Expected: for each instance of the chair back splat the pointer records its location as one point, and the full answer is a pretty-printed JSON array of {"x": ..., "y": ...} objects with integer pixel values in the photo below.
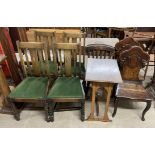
[
  {"x": 67, "y": 54},
  {"x": 131, "y": 61},
  {"x": 36, "y": 58}
]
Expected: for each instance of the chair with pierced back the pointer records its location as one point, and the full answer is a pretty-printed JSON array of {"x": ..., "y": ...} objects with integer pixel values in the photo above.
[
  {"x": 67, "y": 88},
  {"x": 50, "y": 39},
  {"x": 99, "y": 51},
  {"x": 131, "y": 61},
  {"x": 34, "y": 87}
]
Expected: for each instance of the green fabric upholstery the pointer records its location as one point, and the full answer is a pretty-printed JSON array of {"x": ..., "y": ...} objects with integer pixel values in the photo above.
[
  {"x": 31, "y": 88},
  {"x": 52, "y": 67},
  {"x": 75, "y": 70},
  {"x": 66, "y": 87}
]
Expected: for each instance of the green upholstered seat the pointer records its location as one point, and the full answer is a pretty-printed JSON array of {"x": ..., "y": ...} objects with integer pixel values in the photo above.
[
  {"x": 66, "y": 87},
  {"x": 31, "y": 88},
  {"x": 52, "y": 67}
]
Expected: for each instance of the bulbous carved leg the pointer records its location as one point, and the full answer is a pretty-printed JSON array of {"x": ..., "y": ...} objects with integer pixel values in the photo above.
[
  {"x": 115, "y": 106},
  {"x": 146, "y": 109},
  {"x": 51, "y": 111},
  {"x": 47, "y": 117},
  {"x": 82, "y": 111}
]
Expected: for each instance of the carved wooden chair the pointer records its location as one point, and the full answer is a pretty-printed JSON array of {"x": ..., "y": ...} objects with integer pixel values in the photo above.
[
  {"x": 99, "y": 51},
  {"x": 50, "y": 39},
  {"x": 131, "y": 61},
  {"x": 34, "y": 87},
  {"x": 67, "y": 87}
]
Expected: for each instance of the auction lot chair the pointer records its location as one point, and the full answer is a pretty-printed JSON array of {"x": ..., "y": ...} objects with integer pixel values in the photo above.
[
  {"x": 34, "y": 87},
  {"x": 67, "y": 87},
  {"x": 131, "y": 61}
]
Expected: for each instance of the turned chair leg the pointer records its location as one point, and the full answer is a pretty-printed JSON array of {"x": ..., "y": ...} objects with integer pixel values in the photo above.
[
  {"x": 146, "y": 109},
  {"x": 51, "y": 111},
  {"x": 47, "y": 117},
  {"x": 82, "y": 111},
  {"x": 115, "y": 106}
]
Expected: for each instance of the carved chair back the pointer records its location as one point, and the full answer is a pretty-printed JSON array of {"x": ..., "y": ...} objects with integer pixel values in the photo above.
[
  {"x": 131, "y": 61},
  {"x": 35, "y": 53},
  {"x": 76, "y": 38},
  {"x": 70, "y": 52},
  {"x": 49, "y": 38}
]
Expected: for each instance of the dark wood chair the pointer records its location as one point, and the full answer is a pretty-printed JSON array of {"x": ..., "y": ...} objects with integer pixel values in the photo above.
[
  {"x": 99, "y": 51},
  {"x": 67, "y": 88},
  {"x": 131, "y": 61},
  {"x": 34, "y": 87}
]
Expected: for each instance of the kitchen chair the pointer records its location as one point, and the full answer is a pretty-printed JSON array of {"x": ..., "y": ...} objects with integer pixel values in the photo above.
[
  {"x": 99, "y": 51},
  {"x": 131, "y": 61},
  {"x": 50, "y": 39},
  {"x": 34, "y": 87},
  {"x": 67, "y": 87}
]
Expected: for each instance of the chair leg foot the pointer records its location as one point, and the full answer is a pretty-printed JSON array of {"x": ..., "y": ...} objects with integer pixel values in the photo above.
[
  {"x": 82, "y": 111},
  {"x": 145, "y": 110},
  {"x": 17, "y": 117},
  {"x": 115, "y": 107}
]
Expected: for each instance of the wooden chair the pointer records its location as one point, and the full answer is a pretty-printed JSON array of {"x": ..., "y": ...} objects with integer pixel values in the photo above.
[
  {"x": 50, "y": 39},
  {"x": 67, "y": 87},
  {"x": 34, "y": 87},
  {"x": 131, "y": 61},
  {"x": 99, "y": 51}
]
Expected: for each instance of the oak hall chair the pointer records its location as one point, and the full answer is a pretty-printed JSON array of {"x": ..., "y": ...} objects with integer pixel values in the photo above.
[
  {"x": 50, "y": 39},
  {"x": 99, "y": 51},
  {"x": 131, "y": 61},
  {"x": 34, "y": 87},
  {"x": 67, "y": 87}
]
